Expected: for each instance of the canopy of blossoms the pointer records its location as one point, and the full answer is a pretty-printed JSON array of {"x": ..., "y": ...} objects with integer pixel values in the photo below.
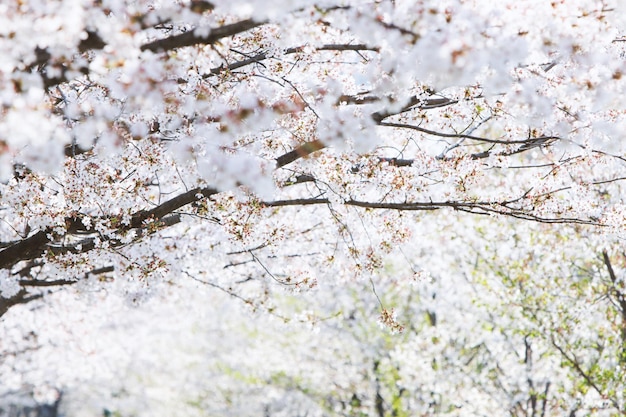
[{"x": 387, "y": 207}]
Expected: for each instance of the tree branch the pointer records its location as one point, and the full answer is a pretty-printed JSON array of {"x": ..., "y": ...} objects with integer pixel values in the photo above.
[
  {"x": 31, "y": 247},
  {"x": 301, "y": 151},
  {"x": 621, "y": 300},
  {"x": 526, "y": 143},
  {"x": 263, "y": 56},
  {"x": 577, "y": 366},
  {"x": 190, "y": 38},
  {"x": 93, "y": 41},
  {"x": 44, "y": 283},
  {"x": 21, "y": 297},
  {"x": 477, "y": 207},
  {"x": 35, "y": 245},
  {"x": 308, "y": 148},
  {"x": 171, "y": 205}
]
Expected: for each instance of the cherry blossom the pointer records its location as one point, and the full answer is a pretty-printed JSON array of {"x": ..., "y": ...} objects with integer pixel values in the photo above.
[{"x": 322, "y": 208}]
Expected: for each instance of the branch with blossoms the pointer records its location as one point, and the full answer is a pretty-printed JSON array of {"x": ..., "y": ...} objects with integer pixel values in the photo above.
[
  {"x": 33, "y": 246},
  {"x": 144, "y": 222},
  {"x": 147, "y": 222},
  {"x": 257, "y": 58},
  {"x": 503, "y": 208},
  {"x": 24, "y": 296},
  {"x": 164, "y": 215}
]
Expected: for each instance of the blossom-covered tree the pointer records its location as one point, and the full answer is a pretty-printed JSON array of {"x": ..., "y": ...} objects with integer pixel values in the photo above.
[{"x": 453, "y": 168}]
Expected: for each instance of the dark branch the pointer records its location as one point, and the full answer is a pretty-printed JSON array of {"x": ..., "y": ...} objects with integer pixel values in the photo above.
[
  {"x": 263, "y": 56},
  {"x": 316, "y": 145},
  {"x": 171, "y": 205},
  {"x": 621, "y": 301},
  {"x": 190, "y": 38},
  {"x": 475, "y": 207},
  {"x": 93, "y": 41},
  {"x": 44, "y": 283},
  {"x": 35, "y": 245},
  {"x": 526, "y": 143},
  {"x": 21, "y": 297},
  {"x": 607, "y": 262},
  {"x": 398, "y": 162},
  {"x": 57, "y": 282},
  {"x": 415, "y": 102},
  {"x": 29, "y": 248},
  {"x": 301, "y": 151},
  {"x": 588, "y": 379}
]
